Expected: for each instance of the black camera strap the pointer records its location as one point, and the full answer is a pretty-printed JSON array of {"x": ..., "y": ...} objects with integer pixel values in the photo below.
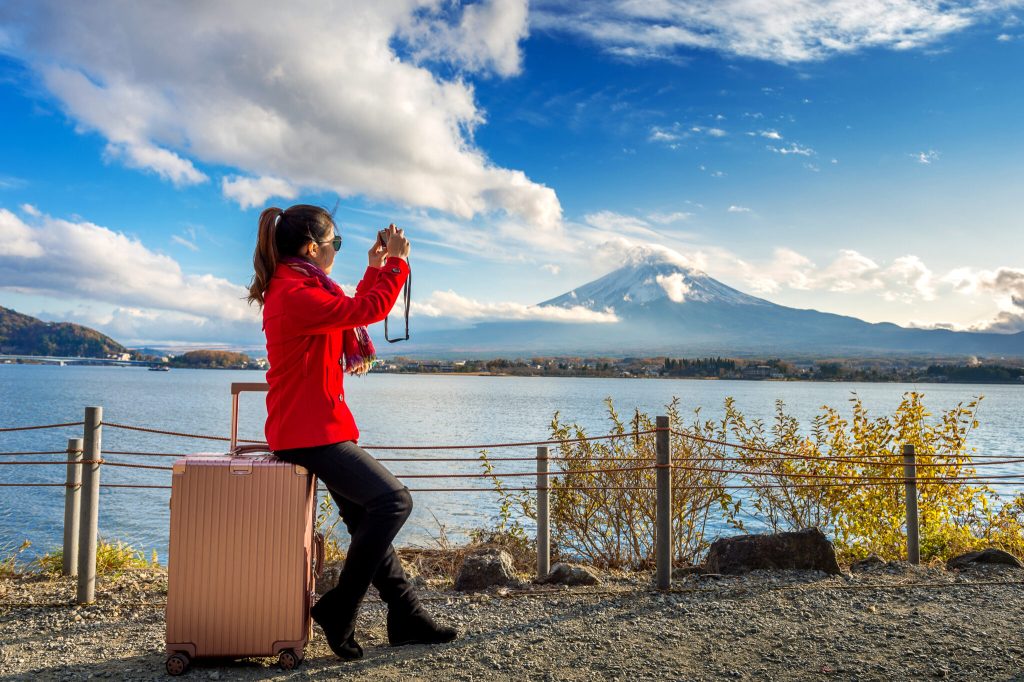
[{"x": 406, "y": 297}]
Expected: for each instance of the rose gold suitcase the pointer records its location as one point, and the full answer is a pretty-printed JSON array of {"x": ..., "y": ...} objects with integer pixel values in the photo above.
[{"x": 243, "y": 555}]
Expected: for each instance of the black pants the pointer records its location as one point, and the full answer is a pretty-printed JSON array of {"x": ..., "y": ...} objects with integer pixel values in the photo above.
[{"x": 373, "y": 505}]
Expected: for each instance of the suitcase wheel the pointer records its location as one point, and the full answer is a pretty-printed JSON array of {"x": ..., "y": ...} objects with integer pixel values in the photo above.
[
  {"x": 289, "y": 659},
  {"x": 177, "y": 663}
]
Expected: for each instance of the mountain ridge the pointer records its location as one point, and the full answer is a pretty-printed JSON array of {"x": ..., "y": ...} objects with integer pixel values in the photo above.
[{"x": 22, "y": 334}]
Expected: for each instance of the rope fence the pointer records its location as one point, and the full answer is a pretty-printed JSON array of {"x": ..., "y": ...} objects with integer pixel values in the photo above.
[
  {"x": 41, "y": 426},
  {"x": 756, "y": 467},
  {"x": 838, "y": 480}
]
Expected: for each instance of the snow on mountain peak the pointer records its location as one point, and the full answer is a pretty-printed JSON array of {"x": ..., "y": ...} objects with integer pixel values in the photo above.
[{"x": 653, "y": 275}]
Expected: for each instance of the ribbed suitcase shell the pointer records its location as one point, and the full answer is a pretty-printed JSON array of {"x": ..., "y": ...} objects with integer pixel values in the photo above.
[{"x": 240, "y": 562}]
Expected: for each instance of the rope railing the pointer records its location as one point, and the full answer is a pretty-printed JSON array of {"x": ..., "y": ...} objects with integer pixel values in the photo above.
[
  {"x": 8, "y": 429},
  {"x": 394, "y": 447},
  {"x": 999, "y": 459},
  {"x": 776, "y": 455},
  {"x": 33, "y": 452},
  {"x": 781, "y": 454},
  {"x": 646, "y": 481},
  {"x": 826, "y": 479}
]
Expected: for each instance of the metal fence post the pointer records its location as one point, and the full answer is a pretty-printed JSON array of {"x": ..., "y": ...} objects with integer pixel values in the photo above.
[
  {"x": 90, "y": 505},
  {"x": 543, "y": 515},
  {"x": 910, "y": 481},
  {"x": 663, "y": 520},
  {"x": 72, "y": 497}
]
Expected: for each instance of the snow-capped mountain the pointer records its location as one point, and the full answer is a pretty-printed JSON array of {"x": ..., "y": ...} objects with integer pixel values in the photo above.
[
  {"x": 652, "y": 280},
  {"x": 669, "y": 308}
]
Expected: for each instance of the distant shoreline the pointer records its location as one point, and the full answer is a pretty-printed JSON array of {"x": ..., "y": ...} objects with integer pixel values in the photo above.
[{"x": 809, "y": 380}]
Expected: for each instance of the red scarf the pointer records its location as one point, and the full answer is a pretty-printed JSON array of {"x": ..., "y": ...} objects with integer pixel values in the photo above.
[{"x": 357, "y": 352}]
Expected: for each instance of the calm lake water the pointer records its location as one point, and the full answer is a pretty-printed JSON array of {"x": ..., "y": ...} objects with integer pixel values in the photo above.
[{"x": 390, "y": 409}]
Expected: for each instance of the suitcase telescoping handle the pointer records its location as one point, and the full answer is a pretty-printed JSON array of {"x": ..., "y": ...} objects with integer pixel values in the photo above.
[{"x": 236, "y": 388}]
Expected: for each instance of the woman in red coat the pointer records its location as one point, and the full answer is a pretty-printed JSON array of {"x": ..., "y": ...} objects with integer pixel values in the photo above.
[{"x": 315, "y": 334}]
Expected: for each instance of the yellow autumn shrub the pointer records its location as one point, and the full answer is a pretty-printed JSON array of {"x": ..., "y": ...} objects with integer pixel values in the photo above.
[{"x": 842, "y": 475}]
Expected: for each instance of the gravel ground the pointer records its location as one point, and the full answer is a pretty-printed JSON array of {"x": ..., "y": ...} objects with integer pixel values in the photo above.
[{"x": 892, "y": 622}]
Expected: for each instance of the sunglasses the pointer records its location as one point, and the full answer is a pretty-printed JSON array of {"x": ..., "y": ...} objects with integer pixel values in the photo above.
[{"x": 335, "y": 242}]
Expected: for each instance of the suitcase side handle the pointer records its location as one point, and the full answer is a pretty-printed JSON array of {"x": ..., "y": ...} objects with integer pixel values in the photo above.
[
  {"x": 319, "y": 553},
  {"x": 236, "y": 389}
]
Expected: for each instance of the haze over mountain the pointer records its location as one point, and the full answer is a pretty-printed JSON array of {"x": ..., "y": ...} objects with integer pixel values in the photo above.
[{"x": 665, "y": 307}]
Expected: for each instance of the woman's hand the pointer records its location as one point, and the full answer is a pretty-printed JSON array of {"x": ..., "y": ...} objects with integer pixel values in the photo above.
[
  {"x": 377, "y": 254},
  {"x": 394, "y": 238}
]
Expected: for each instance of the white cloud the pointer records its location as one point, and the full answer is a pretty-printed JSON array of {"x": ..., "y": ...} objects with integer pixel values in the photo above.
[
  {"x": 781, "y": 31},
  {"x": 252, "y": 192},
  {"x": 673, "y": 134},
  {"x": 792, "y": 149},
  {"x": 452, "y": 305},
  {"x": 486, "y": 37},
  {"x": 674, "y": 285},
  {"x": 905, "y": 280},
  {"x": 93, "y": 262},
  {"x": 16, "y": 238},
  {"x": 181, "y": 241},
  {"x": 667, "y": 135},
  {"x": 619, "y": 224},
  {"x": 669, "y": 218},
  {"x": 12, "y": 182},
  {"x": 31, "y": 210},
  {"x": 1004, "y": 37},
  {"x": 147, "y": 326},
  {"x": 552, "y": 268},
  {"x": 519, "y": 241},
  {"x": 166, "y": 164},
  {"x": 319, "y": 95},
  {"x": 1005, "y": 284},
  {"x": 739, "y": 209},
  {"x": 925, "y": 157},
  {"x": 771, "y": 134}
]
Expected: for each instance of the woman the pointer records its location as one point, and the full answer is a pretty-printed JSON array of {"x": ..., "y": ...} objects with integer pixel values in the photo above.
[{"x": 315, "y": 333}]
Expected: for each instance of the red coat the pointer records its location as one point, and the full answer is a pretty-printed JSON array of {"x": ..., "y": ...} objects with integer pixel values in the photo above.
[{"x": 303, "y": 323}]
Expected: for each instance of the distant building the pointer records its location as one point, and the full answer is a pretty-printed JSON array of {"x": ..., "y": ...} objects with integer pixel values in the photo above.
[{"x": 757, "y": 372}]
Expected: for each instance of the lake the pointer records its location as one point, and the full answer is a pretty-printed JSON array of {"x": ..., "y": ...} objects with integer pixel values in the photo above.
[{"x": 390, "y": 409}]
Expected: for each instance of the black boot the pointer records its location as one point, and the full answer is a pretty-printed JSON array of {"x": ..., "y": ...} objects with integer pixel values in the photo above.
[
  {"x": 416, "y": 627},
  {"x": 339, "y": 625}
]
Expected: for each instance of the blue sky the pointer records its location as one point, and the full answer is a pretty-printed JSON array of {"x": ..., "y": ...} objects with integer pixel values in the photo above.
[{"x": 863, "y": 160}]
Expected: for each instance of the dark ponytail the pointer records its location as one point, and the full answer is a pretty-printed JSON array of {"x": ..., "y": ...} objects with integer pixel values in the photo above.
[
  {"x": 283, "y": 233},
  {"x": 264, "y": 259}
]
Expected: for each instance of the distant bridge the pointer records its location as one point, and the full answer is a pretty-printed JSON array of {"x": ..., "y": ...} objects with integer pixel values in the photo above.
[{"x": 54, "y": 360}]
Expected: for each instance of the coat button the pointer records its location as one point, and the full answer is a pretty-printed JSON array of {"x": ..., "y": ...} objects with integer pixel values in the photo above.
[
  {"x": 396, "y": 270},
  {"x": 341, "y": 397}
]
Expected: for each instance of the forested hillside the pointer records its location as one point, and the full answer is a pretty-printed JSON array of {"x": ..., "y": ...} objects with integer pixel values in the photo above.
[{"x": 25, "y": 335}]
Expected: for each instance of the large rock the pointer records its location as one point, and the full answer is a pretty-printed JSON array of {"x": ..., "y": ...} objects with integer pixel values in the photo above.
[
  {"x": 486, "y": 568},
  {"x": 806, "y": 549},
  {"x": 985, "y": 556},
  {"x": 568, "y": 574}
]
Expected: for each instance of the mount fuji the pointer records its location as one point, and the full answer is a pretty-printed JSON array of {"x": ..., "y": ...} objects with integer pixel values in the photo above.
[{"x": 666, "y": 308}]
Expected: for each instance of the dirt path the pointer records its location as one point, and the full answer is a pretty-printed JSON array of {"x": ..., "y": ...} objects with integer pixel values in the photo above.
[{"x": 891, "y": 623}]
